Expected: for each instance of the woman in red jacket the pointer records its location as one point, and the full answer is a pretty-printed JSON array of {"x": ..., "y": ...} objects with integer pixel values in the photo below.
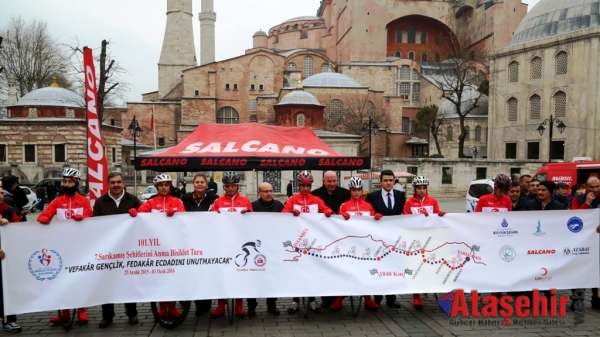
[
  {"x": 163, "y": 202},
  {"x": 233, "y": 202},
  {"x": 356, "y": 206},
  {"x": 69, "y": 205}
]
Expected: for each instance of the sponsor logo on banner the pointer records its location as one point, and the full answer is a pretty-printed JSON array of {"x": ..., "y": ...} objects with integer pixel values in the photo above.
[
  {"x": 538, "y": 229},
  {"x": 575, "y": 224},
  {"x": 543, "y": 274},
  {"x": 576, "y": 251},
  {"x": 505, "y": 230},
  {"x": 508, "y": 253},
  {"x": 45, "y": 264},
  {"x": 477, "y": 309},
  {"x": 541, "y": 251},
  {"x": 250, "y": 252}
]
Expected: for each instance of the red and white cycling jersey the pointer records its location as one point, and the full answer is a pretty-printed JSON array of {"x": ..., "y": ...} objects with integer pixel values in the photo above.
[
  {"x": 357, "y": 207},
  {"x": 426, "y": 206},
  {"x": 235, "y": 204},
  {"x": 490, "y": 203},
  {"x": 305, "y": 203},
  {"x": 64, "y": 207}
]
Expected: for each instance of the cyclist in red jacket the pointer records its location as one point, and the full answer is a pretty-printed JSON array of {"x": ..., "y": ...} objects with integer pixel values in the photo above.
[
  {"x": 232, "y": 201},
  {"x": 497, "y": 201},
  {"x": 421, "y": 202},
  {"x": 356, "y": 206},
  {"x": 69, "y": 205},
  {"x": 304, "y": 202},
  {"x": 163, "y": 202}
]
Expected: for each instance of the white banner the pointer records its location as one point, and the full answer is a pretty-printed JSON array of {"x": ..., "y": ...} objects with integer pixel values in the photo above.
[{"x": 191, "y": 256}]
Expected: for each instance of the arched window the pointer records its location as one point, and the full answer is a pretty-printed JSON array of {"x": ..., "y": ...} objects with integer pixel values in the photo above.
[
  {"x": 228, "y": 115},
  {"x": 334, "y": 112},
  {"x": 325, "y": 68},
  {"x": 424, "y": 58},
  {"x": 291, "y": 66},
  {"x": 449, "y": 133},
  {"x": 562, "y": 62},
  {"x": 478, "y": 133},
  {"x": 308, "y": 66},
  {"x": 535, "y": 107},
  {"x": 411, "y": 55},
  {"x": 536, "y": 68},
  {"x": 512, "y": 109},
  {"x": 398, "y": 54},
  {"x": 300, "y": 120},
  {"x": 513, "y": 72},
  {"x": 560, "y": 104},
  {"x": 467, "y": 133}
]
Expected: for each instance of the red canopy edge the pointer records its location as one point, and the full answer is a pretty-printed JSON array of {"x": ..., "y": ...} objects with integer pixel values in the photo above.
[{"x": 251, "y": 146}]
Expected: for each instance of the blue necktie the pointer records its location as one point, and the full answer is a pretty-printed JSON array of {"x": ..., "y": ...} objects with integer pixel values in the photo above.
[{"x": 389, "y": 205}]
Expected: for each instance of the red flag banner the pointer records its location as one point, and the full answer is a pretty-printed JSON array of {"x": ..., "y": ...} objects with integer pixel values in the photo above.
[{"x": 96, "y": 158}]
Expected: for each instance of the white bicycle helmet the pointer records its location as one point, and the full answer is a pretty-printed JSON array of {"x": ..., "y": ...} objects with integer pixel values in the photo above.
[
  {"x": 71, "y": 173},
  {"x": 162, "y": 178},
  {"x": 230, "y": 178},
  {"x": 355, "y": 182},
  {"x": 420, "y": 181}
]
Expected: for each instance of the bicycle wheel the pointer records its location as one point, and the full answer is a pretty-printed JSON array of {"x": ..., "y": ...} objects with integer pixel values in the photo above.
[
  {"x": 355, "y": 309},
  {"x": 170, "y": 322}
]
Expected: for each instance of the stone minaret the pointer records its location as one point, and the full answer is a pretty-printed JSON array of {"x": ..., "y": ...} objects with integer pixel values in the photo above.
[
  {"x": 178, "y": 51},
  {"x": 208, "y": 17}
]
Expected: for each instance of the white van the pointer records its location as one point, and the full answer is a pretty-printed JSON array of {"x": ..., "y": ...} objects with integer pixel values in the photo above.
[{"x": 477, "y": 188}]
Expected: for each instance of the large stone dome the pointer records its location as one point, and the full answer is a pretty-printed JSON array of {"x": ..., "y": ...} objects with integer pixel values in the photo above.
[
  {"x": 51, "y": 96},
  {"x": 555, "y": 17},
  {"x": 331, "y": 80}
]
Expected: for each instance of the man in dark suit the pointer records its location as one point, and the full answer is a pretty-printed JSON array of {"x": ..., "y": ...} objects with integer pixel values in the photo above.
[
  {"x": 332, "y": 194},
  {"x": 387, "y": 201}
]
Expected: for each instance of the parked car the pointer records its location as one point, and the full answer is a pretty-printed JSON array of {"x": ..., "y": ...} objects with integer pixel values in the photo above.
[
  {"x": 148, "y": 193},
  {"x": 477, "y": 188},
  {"x": 32, "y": 199}
]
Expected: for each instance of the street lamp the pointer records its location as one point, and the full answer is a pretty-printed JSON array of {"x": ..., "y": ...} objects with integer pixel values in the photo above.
[
  {"x": 136, "y": 131},
  {"x": 551, "y": 123},
  {"x": 372, "y": 124}
]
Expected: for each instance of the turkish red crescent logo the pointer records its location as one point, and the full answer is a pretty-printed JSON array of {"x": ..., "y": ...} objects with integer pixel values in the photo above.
[
  {"x": 544, "y": 271},
  {"x": 495, "y": 210},
  {"x": 305, "y": 209},
  {"x": 423, "y": 210},
  {"x": 231, "y": 210}
]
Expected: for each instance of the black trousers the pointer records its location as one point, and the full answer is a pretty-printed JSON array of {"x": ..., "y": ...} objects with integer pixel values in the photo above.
[
  {"x": 252, "y": 303},
  {"x": 388, "y": 298},
  {"x": 108, "y": 311},
  {"x": 9, "y": 318},
  {"x": 297, "y": 299},
  {"x": 203, "y": 305}
]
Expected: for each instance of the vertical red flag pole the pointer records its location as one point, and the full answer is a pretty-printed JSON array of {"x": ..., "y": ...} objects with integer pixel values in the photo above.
[{"x": 96, "y": 154}]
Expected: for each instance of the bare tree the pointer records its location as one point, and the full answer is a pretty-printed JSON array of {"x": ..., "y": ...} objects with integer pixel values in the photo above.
[
  {"x": 109, "y": 72},
  {"x": 427, "y": 120},
  {"x": 29, "y": 57},
  {"x": 462, "y": 76}
]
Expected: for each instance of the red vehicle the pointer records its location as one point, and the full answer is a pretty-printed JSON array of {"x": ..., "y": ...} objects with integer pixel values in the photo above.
[{"x": 569, "y": 173}]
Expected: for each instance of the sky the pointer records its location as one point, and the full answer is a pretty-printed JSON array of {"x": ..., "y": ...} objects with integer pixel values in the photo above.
[{"x": 135, "y": 28}]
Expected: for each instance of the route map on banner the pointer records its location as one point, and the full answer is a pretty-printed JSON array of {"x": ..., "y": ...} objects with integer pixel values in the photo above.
[{"x": 119, "y": 259}]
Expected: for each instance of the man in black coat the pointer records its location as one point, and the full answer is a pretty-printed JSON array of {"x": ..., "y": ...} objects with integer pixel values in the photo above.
[
  {"x": 15, "y": 196},
  {"x": 387, "y": 201},
  {"x": 333, "y": 195},
  {"x": 545, "y": 198},
  {"x": 116, "y": 201},
  {"x": 265, "y": 203},
  {"x": 519, "y": 202}
]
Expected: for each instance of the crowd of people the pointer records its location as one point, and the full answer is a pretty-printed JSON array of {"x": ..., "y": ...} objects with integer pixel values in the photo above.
[{"x": 522, "y": 194}]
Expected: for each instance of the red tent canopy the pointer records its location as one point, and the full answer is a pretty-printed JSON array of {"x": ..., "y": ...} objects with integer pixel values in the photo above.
[{"x": 251, "y": 146}]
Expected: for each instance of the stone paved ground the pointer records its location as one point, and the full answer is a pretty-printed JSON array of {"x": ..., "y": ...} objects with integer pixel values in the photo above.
[{"x": 385, "y": 323}]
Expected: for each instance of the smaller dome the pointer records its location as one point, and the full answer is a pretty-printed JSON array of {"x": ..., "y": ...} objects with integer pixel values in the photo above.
[
  {"x": 331, "y": 80},
  {"x": 299, "y": 97},
  {"x": 51, "y": 96},
  {"x": 259, "y": 33}
]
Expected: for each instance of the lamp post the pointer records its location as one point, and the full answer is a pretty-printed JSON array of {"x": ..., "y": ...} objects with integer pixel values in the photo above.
[
  {"x": 136, "y": 131},
  {"x": 372, "y": 124},
  {"x": 551, "y": 123}
]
